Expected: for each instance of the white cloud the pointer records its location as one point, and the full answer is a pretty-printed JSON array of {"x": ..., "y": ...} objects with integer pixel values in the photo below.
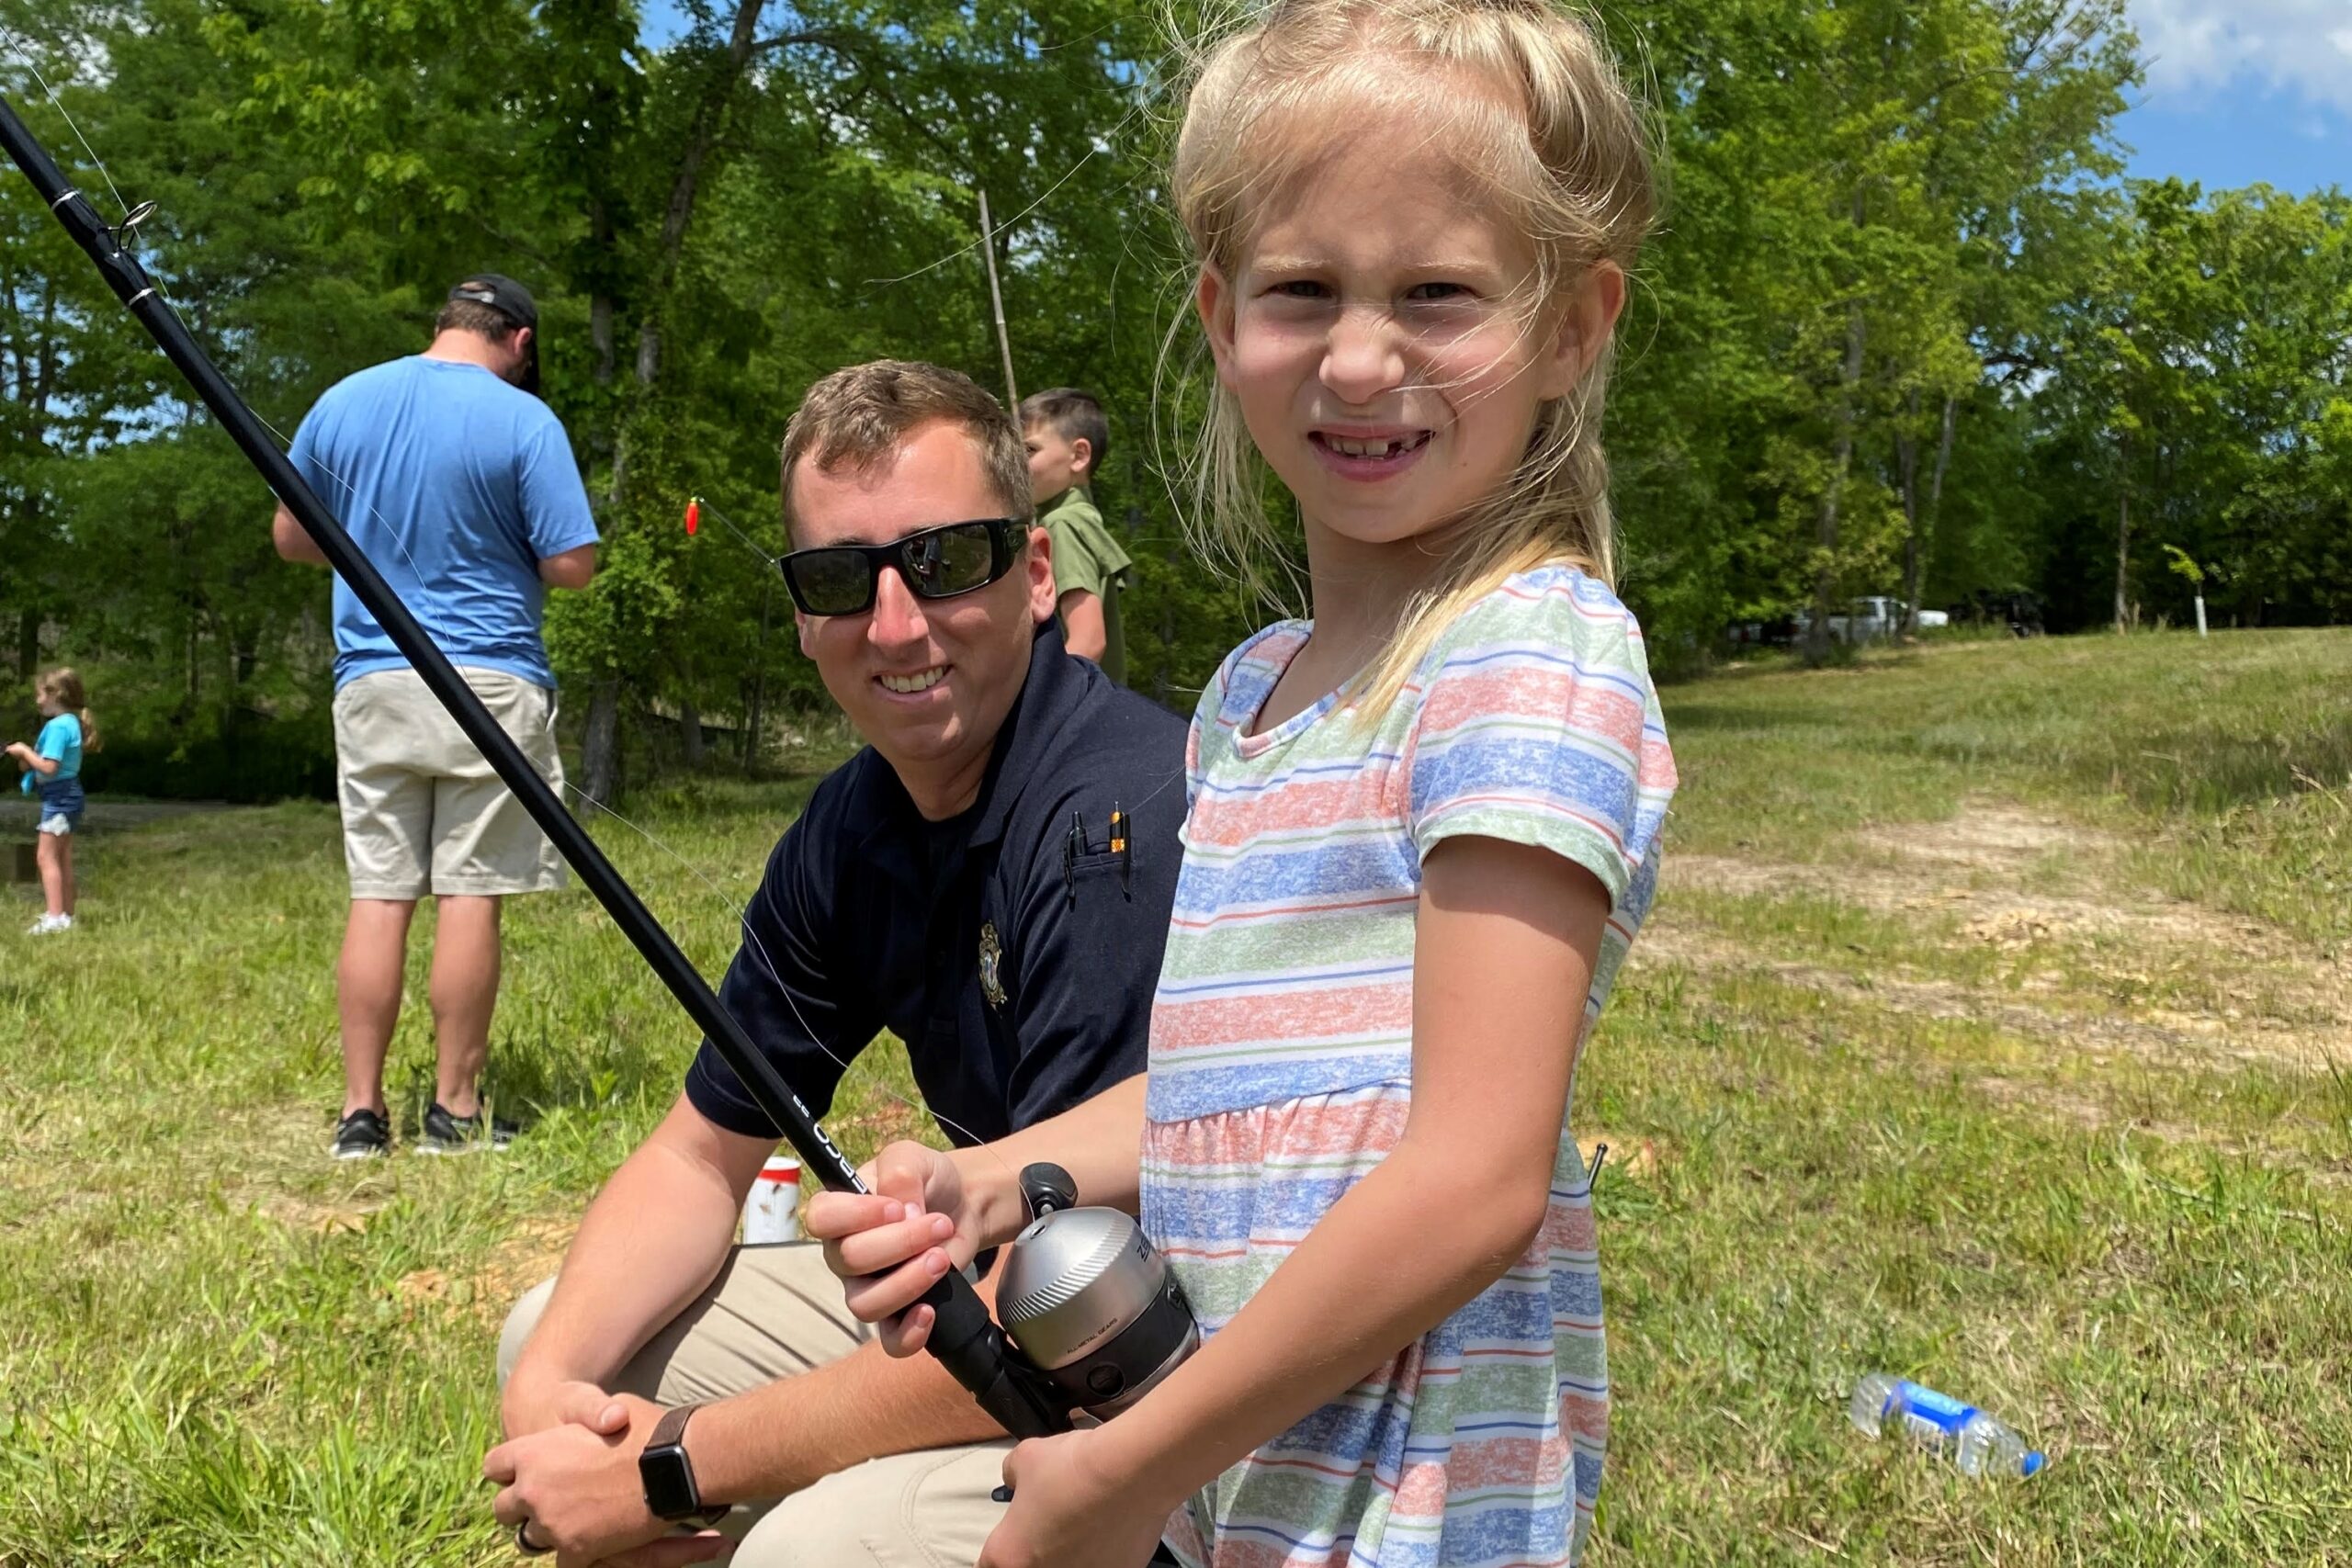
[{"x": 2300, "y": 47}]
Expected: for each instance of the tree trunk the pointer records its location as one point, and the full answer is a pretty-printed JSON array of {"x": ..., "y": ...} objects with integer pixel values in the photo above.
[
  {"x": 2123, "y": 539},
  {"x": 689, "y": 733},
  {"x": 1906, "y": 469},
  {"x": 758, "y": 716},
  {"x": 710, "y": 113},
  {"x": 600, "y": 303},
  {"x": 702, "y": 130},
  {"x": 45, "y": 362},
  {"x": 1920, "y": 550},
  {"x": 1943, "y": 464},
  {"x": 600, "y": 749},
  {"x": 1825, "y": 577}
]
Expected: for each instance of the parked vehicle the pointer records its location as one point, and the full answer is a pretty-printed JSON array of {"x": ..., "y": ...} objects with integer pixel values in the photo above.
[
  {"x": 2020, "y": 611},
  {"x": 1870, "y": 618}
]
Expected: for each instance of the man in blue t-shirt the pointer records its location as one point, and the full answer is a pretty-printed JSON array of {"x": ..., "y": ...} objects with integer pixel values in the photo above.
[{"x": 459, "y": 485}]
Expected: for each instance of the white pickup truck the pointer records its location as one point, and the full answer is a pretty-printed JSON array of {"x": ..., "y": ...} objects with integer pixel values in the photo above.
[{"x": 1873, "y": 616}]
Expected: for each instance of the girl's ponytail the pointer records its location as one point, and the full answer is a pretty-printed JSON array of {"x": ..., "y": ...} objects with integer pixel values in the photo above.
[{"x": 63, "y": 685}]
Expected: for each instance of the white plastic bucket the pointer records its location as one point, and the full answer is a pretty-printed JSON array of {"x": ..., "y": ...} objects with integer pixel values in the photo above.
[{"x": 772, "y": 1209}]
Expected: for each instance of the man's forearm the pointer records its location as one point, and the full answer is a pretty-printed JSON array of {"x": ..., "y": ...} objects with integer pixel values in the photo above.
[
  {"x": 651, "y": 1242},
  {"x": 293, "y": 541},
  {"x": 778, "y": 1440}
]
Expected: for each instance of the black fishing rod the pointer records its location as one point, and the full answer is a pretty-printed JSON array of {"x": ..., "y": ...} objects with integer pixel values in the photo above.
[{"x": 966, "y": 1340}]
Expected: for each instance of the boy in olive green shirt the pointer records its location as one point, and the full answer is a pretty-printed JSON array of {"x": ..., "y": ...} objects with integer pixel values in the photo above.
[{"x": 1067, "y": 437}]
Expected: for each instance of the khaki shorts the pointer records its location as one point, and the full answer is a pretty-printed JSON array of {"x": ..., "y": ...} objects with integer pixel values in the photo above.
[
  {"x": 773, "y": 1311},
  {"x": 421, "y": 811}
]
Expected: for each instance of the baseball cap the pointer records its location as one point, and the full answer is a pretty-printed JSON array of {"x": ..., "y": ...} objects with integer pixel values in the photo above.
[
  {"x": 513, "y": 301},
  {"x": 502, "y": 294}
]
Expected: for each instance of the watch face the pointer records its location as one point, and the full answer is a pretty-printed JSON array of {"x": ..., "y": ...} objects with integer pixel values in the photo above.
[{"x": 668, "y": 1482}]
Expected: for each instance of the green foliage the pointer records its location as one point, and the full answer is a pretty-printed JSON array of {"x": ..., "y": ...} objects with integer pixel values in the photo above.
[{"x": 2045, "y": 361}]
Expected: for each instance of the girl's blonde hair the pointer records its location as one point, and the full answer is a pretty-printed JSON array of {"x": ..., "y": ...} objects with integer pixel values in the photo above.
[
  {"x": 1556, "y": 144},
  {"x": 64, "y": 687}
]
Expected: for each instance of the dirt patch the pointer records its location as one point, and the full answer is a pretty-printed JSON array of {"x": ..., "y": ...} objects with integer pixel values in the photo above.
[
  {"x": 345, "y": 1218},
  {"x": 2033, "y": 887},
  {"x": 2168, "y": 1036},
  {"x": 1635, "y": 1157},
  {"x": 1988, "y": 836},
  {"x": 531, "y": 1254}
]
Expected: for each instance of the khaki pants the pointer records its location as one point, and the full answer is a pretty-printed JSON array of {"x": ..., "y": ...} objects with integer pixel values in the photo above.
[{"x": 774, "y": 1311}]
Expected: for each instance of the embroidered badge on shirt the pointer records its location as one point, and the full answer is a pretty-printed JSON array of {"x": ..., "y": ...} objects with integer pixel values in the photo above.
[{"x": 992, "y": 967}]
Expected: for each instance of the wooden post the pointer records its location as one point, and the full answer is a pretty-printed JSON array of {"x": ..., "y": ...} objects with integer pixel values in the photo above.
[{"x": 995, "y": 300}]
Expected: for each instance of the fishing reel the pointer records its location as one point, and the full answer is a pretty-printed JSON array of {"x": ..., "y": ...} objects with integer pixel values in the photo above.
[{"x": 1089, "y": 1301}]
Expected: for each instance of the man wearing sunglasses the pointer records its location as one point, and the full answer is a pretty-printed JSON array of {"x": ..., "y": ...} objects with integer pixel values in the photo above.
[{"x": 990, "y": 881}]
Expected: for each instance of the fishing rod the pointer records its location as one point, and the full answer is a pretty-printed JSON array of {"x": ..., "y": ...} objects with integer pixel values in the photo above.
[{"x": 964, "y": 1338}]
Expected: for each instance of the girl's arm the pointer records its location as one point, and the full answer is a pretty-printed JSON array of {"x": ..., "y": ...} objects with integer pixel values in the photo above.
[
  {"x": 32, "y": 759},
  {"x": 1505, "y": 944}
]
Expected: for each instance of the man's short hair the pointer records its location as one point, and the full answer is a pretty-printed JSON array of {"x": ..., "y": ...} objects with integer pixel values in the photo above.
[
  {"x": 1073, "y": 415},
  {"x": 465, "y": 315},
  {"x": 861, "y": 415}
]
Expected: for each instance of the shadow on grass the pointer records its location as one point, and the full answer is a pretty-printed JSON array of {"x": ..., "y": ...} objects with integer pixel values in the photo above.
[
  {"x": 529, "y": 1078},
  {"x": 1714, "y": 710}
]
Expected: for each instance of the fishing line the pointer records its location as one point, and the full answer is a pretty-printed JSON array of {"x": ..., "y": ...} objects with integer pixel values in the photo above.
[
  {"x": 697, "y": 507},
  {"x": 25, "y": 59}
]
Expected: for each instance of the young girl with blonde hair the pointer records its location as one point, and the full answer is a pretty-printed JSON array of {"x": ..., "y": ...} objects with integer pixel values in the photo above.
[
  {"x": 52, "y": 765},
  {"x": 1423, "y": 832}
]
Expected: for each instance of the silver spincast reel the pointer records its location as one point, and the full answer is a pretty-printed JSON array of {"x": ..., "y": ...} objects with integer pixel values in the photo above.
[{"x": 1089, "y": 1300}]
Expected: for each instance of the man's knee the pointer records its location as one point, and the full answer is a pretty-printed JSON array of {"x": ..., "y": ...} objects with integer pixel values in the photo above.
[
  {"x": 772, "y": 1311},
  {"x": 930, "y": 1509},
  {"x": 519, "y": 1325}
]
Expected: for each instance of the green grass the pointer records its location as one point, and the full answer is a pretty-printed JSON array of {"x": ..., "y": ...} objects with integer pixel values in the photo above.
[
  {"x": 2045, "y": 1117},
  {"x": 2229, "y": 757}
]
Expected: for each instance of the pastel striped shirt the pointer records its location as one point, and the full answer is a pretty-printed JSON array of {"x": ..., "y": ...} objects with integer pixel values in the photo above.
[{"x": 1281, "y": 1065}]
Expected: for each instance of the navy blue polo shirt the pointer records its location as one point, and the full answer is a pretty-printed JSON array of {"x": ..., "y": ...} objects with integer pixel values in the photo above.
[{"x": 1017, "y": 965}]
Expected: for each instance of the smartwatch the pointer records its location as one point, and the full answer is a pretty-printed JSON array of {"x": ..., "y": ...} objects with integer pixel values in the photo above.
[{"x": 669, "y": 1477}]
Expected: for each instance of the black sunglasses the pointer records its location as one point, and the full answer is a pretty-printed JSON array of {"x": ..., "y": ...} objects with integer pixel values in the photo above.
[{"x": 936, "y": 563}]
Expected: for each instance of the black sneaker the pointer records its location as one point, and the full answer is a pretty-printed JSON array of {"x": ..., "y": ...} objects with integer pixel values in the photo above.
[
  {"x": 361, "y": 1135},
  {"x": 447, "y": 1135}
]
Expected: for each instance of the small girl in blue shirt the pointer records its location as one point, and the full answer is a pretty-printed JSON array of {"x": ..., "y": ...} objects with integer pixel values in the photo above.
[{"x": 52, "y": 766}]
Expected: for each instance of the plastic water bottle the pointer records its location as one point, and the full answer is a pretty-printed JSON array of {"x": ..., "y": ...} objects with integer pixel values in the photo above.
[
  {"x": 1973, "y": 1441},
  {"x": 772, "y": 1208}
]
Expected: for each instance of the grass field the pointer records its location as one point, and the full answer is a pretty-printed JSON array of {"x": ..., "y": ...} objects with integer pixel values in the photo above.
[{"x": 1995, "y": 1027}]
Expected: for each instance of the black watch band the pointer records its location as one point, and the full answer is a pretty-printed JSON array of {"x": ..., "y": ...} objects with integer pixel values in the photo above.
[{"x": 668, "y": 1476}]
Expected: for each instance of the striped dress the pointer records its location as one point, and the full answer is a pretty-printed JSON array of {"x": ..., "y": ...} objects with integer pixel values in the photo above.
[{"x": 1281, "y": 1066}]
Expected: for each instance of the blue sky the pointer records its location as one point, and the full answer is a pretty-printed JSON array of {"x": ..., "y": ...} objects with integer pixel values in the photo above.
[{"x": 2245, "y": 90}]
